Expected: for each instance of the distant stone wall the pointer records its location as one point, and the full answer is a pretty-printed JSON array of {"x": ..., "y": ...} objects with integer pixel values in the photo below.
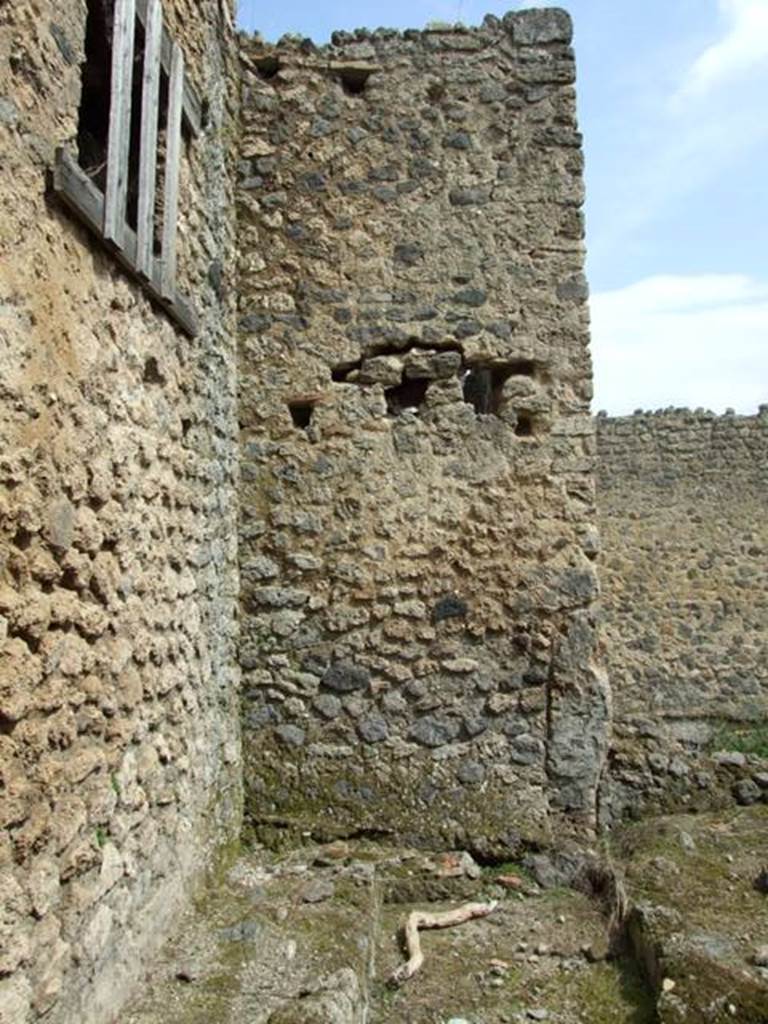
[
  {"x": 118, "y": 575},
  {"x": 417, "y": 453},
  {"x": 683, "y": 508}
]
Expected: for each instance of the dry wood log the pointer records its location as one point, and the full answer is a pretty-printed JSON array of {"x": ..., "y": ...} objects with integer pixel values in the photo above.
[{"x": 422, "y": 919}]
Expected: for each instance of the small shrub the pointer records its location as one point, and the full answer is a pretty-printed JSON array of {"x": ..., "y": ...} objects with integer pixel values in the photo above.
[{"x": 747, "y": 739}]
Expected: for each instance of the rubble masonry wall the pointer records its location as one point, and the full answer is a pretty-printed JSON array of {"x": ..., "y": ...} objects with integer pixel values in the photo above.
[
  {"x": 417, "y": 531},
  {"x": 683, "y": 513},
  {"x": 119, "y": 742}
]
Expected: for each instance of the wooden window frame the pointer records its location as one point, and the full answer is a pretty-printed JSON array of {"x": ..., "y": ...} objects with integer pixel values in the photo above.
[{"x": 104, "y": 213}]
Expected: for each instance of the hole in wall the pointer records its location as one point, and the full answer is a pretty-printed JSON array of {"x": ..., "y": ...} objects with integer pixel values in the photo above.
[
  {"x": 301, "y": 413},
  {"x": 435, "y": 92},
  {"x": 477, "y": 387},
  {"x": 524, "y": 425},
  {"x": 69, "y": 580},
  {"x": 406, "y": 396},
  {"x": 483, "y": 385},
  {"x": 519, "y": 368},
  {"x": 340, "y": 373},
  {"x": 22, "y": 539},
  {"x": 7, "y": 725},
  {"x": 268, "y": 67},
  {"x": 152, "y": 373},
  {"x": 354, "y": 80},
  {"x": 32, "y": 642}
]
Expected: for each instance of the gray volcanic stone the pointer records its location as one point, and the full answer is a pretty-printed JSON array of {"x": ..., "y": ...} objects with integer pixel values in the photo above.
[
  {"x": 471, "y": 296},
  {"x": 450, "y": 607},
  {"x": 540, "y": 25},
  {"x": 327, "y": 705},
  {"x": 458, "y": 140},
  {"x": 66, "y": 49},
  {"x": 434, "y": 730},
  {"x": 474, "y": 725},
  {"x": 526, "y": 749},
  {"x": 373, "y": 729},
  {"x": 471, "y": 773},
  {"x": 494, "y": 92},
  {"x": 320, "y": 127},
  {"x": 730, "y": 758},
  {"x": 574, "y": 288},
  {"x": 408, "y": 253},
  {"x": 344, "y": 677},
  {"x": 291, "y": 735},
  {"x": 746, "y": 792},
  {"x": 267, "y": 714},
  {"x": 469, "y": 196}
]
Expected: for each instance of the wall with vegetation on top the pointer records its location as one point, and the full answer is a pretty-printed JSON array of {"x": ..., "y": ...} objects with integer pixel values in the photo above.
[{"x": 683, "y": 503}]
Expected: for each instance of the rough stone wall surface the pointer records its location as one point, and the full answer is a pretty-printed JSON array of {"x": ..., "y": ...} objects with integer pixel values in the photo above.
[
  {"x": 417, "y": 453},
  {"x": 118, "y": 574},
  {"x": 683, "y": 512}
]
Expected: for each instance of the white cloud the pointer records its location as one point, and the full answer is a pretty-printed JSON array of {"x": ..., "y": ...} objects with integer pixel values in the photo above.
[
  {"x": 743, "y": 47},
  {"x": 692, "y": 341}
]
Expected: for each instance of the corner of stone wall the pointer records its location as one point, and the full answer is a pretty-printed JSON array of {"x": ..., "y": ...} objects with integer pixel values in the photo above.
[{"x": 417, "y": 533}]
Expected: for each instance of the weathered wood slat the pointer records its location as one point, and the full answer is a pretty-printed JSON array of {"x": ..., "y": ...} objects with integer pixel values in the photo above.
[
  {"x": 172, "y": 167},
  {"x": 76, "y": 189},
  {"x": 192, "y": 109},
  {"x": 150, "y": 108},
  {"x": 118, "y": 147}
]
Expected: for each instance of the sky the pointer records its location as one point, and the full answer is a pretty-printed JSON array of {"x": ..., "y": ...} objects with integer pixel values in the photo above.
[{"x": 673, "y": 104}]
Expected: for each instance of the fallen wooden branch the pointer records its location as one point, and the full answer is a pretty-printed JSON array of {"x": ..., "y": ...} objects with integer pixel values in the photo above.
[{"x": 422, "y": 919}]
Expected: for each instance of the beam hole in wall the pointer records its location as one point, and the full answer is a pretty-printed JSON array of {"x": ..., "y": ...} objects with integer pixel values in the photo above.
[
  {"x": 268, "y": 67},
  {"x": 69, "y": 580},
  {"x": 406, "y": 396},
  {"x": 483, "y": 385},
  {"x": 524, "y": 425},
  {"x": 152, "y": 374},
  {"x": 354, "y": 80},
  {"x": 22, "y": 539},
  {"x": 301, "y": 413},
  {"x": 340, "y": 373}
]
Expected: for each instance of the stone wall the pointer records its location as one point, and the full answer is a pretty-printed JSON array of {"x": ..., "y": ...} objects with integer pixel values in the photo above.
[
  {"x": 118, "y": 575},
  {"x": 417, "y": 453},
  {"x": 683, "y": 504}
]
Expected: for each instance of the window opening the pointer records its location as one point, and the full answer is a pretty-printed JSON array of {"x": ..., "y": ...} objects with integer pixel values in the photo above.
[{"x": 136, "y": 100}]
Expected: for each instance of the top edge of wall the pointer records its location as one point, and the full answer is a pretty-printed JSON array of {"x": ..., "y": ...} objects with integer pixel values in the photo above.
[
  {"x": 536, "y": 26},
  {"x": 682, "y": 413}
]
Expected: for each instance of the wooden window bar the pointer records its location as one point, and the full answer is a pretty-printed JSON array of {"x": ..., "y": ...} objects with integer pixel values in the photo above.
[{"x": 105, "y": 213}]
